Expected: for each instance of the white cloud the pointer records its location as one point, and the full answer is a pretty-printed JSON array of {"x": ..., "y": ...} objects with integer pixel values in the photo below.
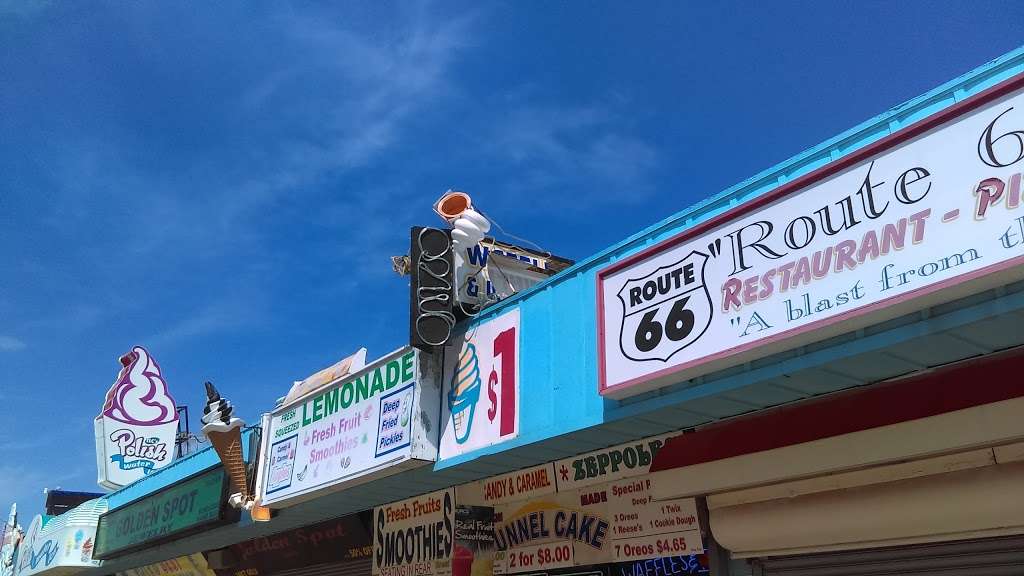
[
  {"x": 11, "y": 344},
  {"x": 23, "y": 8},
  {"x": 215, "y": 317},
  {"x": 588, "y": 145}
]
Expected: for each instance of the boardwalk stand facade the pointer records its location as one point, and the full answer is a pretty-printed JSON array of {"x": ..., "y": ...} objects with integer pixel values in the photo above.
[{"x": 816, "y": 371}]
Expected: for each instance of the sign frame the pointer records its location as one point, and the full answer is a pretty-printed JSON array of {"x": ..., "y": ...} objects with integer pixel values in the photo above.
[
  {"x": 226, "y": 515},
  {"x": 879, "y": 310}
]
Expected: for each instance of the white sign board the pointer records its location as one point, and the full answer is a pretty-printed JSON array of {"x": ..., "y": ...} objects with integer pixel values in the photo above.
[
  {"x": 59, "y": 544},
  {"x": 138, "y": 425},
  {"x": 481, "y": 386},
  {"x": 599, "y": 509},
  {"x": 377, "y": 421},
  {"x": 642, "y": 528},
  {"x": 415, "y": 537},
  {"x": 930, "y": 214},
  {"x": 489, "y": 271},
  {"x": 611, "y": 522}
]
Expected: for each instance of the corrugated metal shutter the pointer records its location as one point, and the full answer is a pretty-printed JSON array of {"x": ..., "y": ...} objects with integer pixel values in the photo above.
[
  {"x": 989, "y": 557},
  {"x": 359, "y": 567}
]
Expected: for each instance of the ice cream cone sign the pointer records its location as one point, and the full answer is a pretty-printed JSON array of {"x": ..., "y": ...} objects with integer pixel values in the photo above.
[
  {"x": 224, "y": 431},
  {"x": 138, "y": 424}
]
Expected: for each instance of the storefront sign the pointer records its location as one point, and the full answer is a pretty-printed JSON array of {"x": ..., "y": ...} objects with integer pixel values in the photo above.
[
  {"x": 191, "y": 565},
  {"x": 370, "y": 422},
  {"x": 138, "y": 425},
  {"x": 60, "y": 543},
  {"x": 556, "y": 531},
  {"x": 612, "y": 522},
  {"x": 928, "y": 215},
  {"x": 595, "y": 508},
  {"x": 511, "y": 487},
  {"x": 492, "y": 271},
  {"x": 172, "y": 513},
  {"x": 481, "y": 386},
  {"x": 45, "y": 550},
  {"x": 622, "y": 461},
  {"x": 334, "y": 541},
  {"x": 415, "y": 537}
]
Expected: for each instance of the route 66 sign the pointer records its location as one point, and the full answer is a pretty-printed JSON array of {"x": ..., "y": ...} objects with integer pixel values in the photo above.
[
  {"x": 924, "y": 216},
  {"x": 665, "y": 310}
]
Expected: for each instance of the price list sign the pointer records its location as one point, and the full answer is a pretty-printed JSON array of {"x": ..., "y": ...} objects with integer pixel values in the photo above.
[{"x": 643, "y": 528}]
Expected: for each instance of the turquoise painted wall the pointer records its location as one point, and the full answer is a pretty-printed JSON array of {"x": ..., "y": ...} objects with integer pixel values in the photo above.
[{"x": 558, "y": 364}]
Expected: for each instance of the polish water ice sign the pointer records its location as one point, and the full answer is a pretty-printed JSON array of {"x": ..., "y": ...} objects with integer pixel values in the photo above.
[
  {"x": 368, "y": 424},
  {"x": 138, "y": 424},
  {"x": 927, "y": 215}
]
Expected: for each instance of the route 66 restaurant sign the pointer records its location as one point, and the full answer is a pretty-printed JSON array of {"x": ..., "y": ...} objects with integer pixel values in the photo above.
[
  {"x": 373, "y": 423},
  {"x": 927, "y": 215}
]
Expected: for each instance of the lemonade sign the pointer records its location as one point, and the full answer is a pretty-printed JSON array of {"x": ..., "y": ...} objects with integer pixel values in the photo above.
[{"x": 362, "y": 424}]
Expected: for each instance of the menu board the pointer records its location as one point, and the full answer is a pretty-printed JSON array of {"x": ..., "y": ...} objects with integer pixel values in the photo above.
[{"x": 644, "y": 528}]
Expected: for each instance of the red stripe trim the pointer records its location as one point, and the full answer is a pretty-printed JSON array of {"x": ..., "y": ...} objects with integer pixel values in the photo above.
[{"x": 985, "y": 380}]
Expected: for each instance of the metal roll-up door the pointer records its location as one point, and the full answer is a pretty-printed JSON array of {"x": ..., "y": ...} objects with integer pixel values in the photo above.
[
  {"x": 359, "y": 567},
  {"x": 989, "y": 557}
]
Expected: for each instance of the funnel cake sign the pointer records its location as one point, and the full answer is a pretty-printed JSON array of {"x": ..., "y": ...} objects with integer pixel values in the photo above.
[
  {"x": 136, "y": 430},
  {"x": 927, "y": 215}
]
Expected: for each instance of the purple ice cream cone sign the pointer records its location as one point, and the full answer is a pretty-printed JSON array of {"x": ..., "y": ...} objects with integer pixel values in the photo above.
[{"x": 137, "y": 426}]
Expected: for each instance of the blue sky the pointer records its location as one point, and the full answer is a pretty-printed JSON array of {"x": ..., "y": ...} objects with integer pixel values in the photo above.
[{"x": 224, "y": 182}]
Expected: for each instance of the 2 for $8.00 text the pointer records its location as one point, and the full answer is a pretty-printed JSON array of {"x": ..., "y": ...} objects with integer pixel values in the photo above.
[{"x": 541, "y": 556}]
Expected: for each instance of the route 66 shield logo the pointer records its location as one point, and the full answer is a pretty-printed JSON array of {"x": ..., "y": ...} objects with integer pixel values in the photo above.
[{"x": 666, "y": 310}]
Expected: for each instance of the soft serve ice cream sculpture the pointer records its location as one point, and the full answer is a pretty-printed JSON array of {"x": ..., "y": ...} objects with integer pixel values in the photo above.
[
  {"x": 225, "y": 433},
  {"x": 464, "y": 393},
  {"x": 136, "y": 430}
]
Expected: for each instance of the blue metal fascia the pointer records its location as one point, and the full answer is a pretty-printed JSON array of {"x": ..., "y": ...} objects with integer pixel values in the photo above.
[
  {"x": 181, "y": 469},
  {"x": 929, "y": 323},
  {"x": 869, "y": 343}
]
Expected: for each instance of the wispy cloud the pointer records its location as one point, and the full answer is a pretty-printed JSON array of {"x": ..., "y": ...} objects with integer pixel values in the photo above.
[
  {"x": 23, "y": 8},
  {"x": 565, "y": 145},
  {"x": 212, "y": 318},
  {"x": 344, "y": 98},
  {"x": 349, "y": 95},
  {"x": 11, "y": 344}
]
